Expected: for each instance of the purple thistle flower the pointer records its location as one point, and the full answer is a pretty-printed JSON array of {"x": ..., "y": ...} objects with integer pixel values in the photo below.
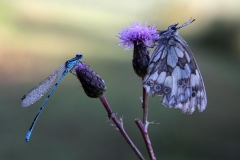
[
  {"x": 140, "y": 38},
  {"x": 92, "y": 83},
  {"x": 136, "y": 33}
]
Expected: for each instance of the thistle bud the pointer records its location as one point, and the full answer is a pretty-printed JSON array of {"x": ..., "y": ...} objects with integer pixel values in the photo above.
[
  {"x": 140, "y": 59},
  {"x": 140, "y": 38},
  {"x": 92, "y": 83}
]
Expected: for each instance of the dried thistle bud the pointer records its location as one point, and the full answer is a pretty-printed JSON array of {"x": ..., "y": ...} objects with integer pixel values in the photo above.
[
  {"x": 139, "y": 38},
  {"x": 92, "y": 83}
]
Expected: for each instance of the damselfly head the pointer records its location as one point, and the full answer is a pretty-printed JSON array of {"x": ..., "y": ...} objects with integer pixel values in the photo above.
[{"x": 79, "y": 55}]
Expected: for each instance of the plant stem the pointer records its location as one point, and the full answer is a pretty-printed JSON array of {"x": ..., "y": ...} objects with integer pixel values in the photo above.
[
  {"x": 144, "y": 126},
  {"x": 119, "y": 125},
  {"x": 145, "y": 107},
  {"x": 143, "y": 129}
]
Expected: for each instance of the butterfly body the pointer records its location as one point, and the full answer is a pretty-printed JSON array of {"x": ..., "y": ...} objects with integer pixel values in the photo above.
[{"x": 174, "y": 74}]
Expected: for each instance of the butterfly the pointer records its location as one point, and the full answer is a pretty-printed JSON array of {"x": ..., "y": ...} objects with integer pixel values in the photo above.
[{"x": 173, "y": 72}]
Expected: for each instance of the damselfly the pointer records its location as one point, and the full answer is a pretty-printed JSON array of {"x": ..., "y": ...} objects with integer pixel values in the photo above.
[{"x": 38, "y": 91}]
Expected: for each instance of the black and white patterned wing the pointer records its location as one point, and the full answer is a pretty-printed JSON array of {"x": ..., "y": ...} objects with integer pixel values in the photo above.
[{"x": 174, "y": 74}]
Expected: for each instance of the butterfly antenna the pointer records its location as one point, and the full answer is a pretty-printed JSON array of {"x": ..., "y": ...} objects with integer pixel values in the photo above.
[{"x": 187, "y": 23}]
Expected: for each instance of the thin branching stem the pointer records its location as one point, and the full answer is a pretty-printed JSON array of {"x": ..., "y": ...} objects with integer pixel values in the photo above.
[
  {"x": 143, "y": 126},
  {"x": 145, "y": 107},
  {"x": 146, "y": 138},
  {"x": 119, "y": 125}
]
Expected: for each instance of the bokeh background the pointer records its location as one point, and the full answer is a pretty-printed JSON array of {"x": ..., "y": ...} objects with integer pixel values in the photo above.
[{"x": 36, "y": 37}]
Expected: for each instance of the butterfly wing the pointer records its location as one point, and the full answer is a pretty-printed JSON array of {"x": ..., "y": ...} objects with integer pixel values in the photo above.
[{"x": 174, "y": 74}]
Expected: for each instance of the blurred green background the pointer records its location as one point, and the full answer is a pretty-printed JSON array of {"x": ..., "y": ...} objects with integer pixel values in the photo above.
[{"x": 36, "y": 37}]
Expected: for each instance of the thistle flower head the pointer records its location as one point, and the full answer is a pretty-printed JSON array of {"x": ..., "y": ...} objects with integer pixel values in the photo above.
[
  {"x": 92, "y": 83},
  {"x": 138, "y": 34}
]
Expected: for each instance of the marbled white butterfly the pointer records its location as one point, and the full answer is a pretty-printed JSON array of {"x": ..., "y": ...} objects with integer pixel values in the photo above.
[{"x": 174, "y": 74}]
